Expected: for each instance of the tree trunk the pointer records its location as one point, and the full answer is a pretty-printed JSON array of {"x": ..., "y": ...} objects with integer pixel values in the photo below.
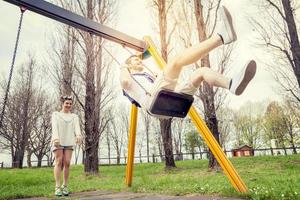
[
  {"x": 29, "y": 153},
  {"x": 159, "y": 145},
  {"x": 272, "y": 151},
  {"x": 118, "y": 159},
  {"x": 207, "y": 95},
  {"x": 25, "y": 133},
  {"x": 91, "y": 140},
  {"x": 211, "y": 121},
  {"x": 91, "y": 158},
  {"x": 40, "y": 160},
  {"x": 148, "y": 151},
  {"x": 108, "y": 146},
  {"x": 91, "y": 130},
  {"x": 20, "y": 159},
  {"x": 294, "y": 148},
  {"x": 118, "y": 154},
  {"x": 285, "y": 152},
  {"x": 165, "y": 125},
  {"x": 200, "y": 153},
  {"x": 15, "y": 162},
  {"x": 68, "y": 62},
  {"x": 294, "y": 39},
  {"x": 140, "y": 156}
]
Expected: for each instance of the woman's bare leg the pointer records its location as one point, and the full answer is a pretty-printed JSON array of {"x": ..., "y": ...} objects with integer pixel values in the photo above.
[
  {"x": 67, "y": 161},
  {"x": 210, "y": 76},
  {"x": 237, "y": 84},
  {"x": 191, "y": 55},
  {"x": 206, "y": 74},
  {"x": 58, "y": 154}
]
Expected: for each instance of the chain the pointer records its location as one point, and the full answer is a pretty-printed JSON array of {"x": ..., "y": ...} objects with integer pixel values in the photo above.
[
  {"x": 147, "y": 93},
  {"x": 23, "y": 9}
]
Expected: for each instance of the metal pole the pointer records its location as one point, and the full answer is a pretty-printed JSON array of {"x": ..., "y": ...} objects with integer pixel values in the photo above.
[
  {"x": 131, "y": 144},
  {"x": 213, "y": 145}
]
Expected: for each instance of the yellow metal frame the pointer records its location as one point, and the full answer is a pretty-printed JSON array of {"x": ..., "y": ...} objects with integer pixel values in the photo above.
[
  {"x": 204, "y": 131},
  {"x": 131, "y": 144}
]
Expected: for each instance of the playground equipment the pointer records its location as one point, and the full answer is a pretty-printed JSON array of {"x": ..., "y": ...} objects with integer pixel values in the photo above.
[{"x": 147, "y": 47}]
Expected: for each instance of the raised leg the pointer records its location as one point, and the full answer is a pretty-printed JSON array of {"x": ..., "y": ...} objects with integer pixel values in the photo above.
[
  {"x": 206, "y": 74},
  {"x": 236, "y": 85},
  {"x": 191, "y": 55}
]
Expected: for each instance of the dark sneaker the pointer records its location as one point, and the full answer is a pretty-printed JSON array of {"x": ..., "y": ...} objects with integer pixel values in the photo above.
[{"x": 241, "y": 80}]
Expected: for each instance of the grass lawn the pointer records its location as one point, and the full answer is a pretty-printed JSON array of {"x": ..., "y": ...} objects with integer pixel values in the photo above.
[{"x": 267, "y": 177}]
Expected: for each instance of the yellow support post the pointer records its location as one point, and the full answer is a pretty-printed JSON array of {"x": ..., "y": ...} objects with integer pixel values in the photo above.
[
  {"x": 131, "y": 144},
  {"x": 204, "y": 131},
  {"x": 213, "y": 145}
]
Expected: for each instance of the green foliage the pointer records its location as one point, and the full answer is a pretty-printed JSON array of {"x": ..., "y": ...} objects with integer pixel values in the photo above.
[
  {"x": 259, "y": 125},
  {"x": 267, "y": 177},
  {"x": 192, "y": 140},
  {"x": 247, "y": 129},
  {"x": 274, "y": 123}
]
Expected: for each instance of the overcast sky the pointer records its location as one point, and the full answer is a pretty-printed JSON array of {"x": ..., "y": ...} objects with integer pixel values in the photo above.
[{"x": 134, "y": 19}]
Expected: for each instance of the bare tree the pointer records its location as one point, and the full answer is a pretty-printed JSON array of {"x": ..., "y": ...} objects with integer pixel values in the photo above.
[
  {"x": 40, "y": 137},
  {"x": 117, "y": 133},
  {"x": 207, "y": 96},
  {"x": 97, "y": 95},
  {"x": 108, "y": 143},
  {"x": 92, "y": 73},
  {"x": 226, "y": 117},
  {"x": 291, "y": 118},
  {"x": 63, "y": 53},
  {"x": 157, "y": 138},
  {"x": 146, "y": 118},
  {"x": 279, "y": 34},
  {"x": 20, "y": 114},
  {"x": 162, "y": 9},
  {"x": 178, "y": 129}
]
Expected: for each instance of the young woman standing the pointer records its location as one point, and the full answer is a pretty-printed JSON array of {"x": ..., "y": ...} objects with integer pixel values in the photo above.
[{"x": 65, "y": 134}]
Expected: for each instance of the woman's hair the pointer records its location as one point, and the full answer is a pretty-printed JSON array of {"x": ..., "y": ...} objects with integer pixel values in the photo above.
[
  {"x": 65, "y": 98},
  {"x": 128, "y": 60}
]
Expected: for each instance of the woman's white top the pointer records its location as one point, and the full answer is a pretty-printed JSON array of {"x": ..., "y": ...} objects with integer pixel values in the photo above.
[
  {"x": 136, "y": 92},
  {"x": 65, "y": 126}
]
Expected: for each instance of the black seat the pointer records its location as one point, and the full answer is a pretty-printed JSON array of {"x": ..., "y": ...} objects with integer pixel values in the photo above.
[{"x": 171, "y": 104}]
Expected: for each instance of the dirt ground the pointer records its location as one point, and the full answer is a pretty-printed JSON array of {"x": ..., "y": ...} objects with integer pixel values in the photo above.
[{"x": 109, "y": 195}]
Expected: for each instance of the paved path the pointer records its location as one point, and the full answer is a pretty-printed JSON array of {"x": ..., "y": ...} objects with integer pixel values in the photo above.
[{"x": 108, "y": 195}]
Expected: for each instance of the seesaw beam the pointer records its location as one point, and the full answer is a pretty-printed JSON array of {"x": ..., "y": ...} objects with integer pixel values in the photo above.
[{"x": 77, "y": 21}]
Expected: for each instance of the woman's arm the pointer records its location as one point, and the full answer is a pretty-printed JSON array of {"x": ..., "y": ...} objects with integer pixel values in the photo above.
[
  {"x": 54, "y": 125},
  {"x": 125, "y": 78},
  {"x": 77, "y": 127},
  {"x": 78, "y": 135}
]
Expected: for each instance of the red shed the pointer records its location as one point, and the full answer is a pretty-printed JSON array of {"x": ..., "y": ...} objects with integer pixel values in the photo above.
[{"x": 243, "y": 151}]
